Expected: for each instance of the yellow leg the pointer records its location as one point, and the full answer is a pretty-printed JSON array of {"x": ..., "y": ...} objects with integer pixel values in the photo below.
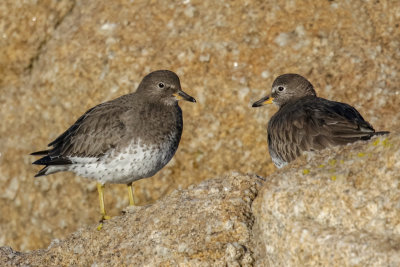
[
  {"x": 130, "y": 194},
  {"x": 104, "y": 216}
]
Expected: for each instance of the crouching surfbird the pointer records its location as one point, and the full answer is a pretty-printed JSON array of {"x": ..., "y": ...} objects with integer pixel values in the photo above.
[
  {"x": 305, "y": 122},
  {"x": 123, "y": 140}
]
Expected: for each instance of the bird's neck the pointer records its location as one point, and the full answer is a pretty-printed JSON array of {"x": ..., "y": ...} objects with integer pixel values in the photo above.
[{"x": 296, "y": 100}]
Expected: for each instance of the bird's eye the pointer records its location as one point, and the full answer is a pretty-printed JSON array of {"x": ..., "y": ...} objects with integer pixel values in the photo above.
[
  {"x": 161, "y": 85},
  {"x": 281, "y": 88}
]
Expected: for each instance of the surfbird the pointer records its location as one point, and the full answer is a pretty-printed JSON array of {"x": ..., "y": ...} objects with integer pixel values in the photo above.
[
  {"x": 123, "y": 140},
  {"x": 305, "y": 122}
]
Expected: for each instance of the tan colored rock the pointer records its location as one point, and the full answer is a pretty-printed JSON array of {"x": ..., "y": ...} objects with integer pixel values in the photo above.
[
  {"x": 81, "y": 53},
  {"x": 25, "y": 26},
  {"x": 338, "y": 207},
  {"x": 206, "y": 225}
]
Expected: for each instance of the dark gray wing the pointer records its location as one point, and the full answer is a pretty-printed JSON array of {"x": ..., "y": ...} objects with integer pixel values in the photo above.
[
  {"x": 92, "y": 135},
  {"x": 314, "y": 124}
]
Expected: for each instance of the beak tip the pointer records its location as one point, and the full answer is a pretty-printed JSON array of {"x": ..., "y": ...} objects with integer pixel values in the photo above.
[
  {"x": 265, "y": 100},
  {"x": 182, "y": 95}
]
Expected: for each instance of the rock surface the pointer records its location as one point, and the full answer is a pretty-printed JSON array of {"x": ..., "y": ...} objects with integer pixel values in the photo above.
[
  {"x": 59, "y": 58},
  {"x": 209, "y": 224},
  {"x": 339, "y": 207}
]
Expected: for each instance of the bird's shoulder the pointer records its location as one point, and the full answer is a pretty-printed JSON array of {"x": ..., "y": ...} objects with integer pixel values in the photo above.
[
  {"x": 336, "y": 115},
  {"x": 319, "y": 113},
  {"x": 314, "y": 124}
]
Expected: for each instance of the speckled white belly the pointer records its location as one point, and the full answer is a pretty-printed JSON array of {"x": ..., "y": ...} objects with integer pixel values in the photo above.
[
  {"x": 279, "y": 163},
  {"x": 135, "y": 162}
]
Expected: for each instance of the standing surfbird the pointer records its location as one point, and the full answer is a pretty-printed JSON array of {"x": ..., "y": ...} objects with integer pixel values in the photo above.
[
  {"x": 123, "y": 140},
  {"x": 305, "y": 122}
]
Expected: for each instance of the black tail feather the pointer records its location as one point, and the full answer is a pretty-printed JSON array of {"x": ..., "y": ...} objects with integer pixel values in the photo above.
[
  {"x": 381, "y": 133},
  {"x": 42, "y": 172},
  {"x": 38, "y": 153},
  {"x": 47, "y": 160}
]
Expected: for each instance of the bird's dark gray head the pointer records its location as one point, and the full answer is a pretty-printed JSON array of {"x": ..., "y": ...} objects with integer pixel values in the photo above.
[
  {"x": 163, "y": 86},
  {"x": 285, "y": 88}
]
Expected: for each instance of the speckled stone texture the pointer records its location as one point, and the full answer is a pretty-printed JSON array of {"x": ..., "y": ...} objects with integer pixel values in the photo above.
[
  {"x": 59, "y": 58},
  {"x": 25, "y": 27},
  {"x": 338, "y": 207},
  {"x": 205, "y": 225}
]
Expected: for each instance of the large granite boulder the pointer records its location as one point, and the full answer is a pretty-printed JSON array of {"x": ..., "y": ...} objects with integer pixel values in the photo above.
[
  {"x": 208, "y": 224},
  {"x": 59, "y": 58},
  {"x": 338, "y": 207}
]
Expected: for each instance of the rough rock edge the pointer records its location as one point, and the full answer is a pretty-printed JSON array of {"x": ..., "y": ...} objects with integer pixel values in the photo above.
[
  {"x": 312, "y": 242},
  {"x": 242, "y": 189}
]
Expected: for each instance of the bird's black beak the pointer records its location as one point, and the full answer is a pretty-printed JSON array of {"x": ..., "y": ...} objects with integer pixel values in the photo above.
[
  {"x": 265, "y": 100},
  {"x": 182, "y": 95}
]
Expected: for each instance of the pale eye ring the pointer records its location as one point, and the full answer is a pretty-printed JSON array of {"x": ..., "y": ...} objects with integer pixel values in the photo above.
[
  {"x": 281, "y": 88},
  {"x": 161, "y": 85}
]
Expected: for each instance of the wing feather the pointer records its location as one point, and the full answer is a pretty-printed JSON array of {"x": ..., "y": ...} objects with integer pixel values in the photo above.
[
  {"x": 99, "y": 130},
  {"x": 314, "y": 124},
  {"x": 92, "y": 135}
]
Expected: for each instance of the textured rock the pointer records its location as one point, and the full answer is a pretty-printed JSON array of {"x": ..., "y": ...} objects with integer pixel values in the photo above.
[
  {"x": 25, "y": 27},
  {"x": 334, "y": 208},
  {"x": 338, "y": 207},
  {"x": 208, "y": 224},
  {"x": 79, "y": 53}
]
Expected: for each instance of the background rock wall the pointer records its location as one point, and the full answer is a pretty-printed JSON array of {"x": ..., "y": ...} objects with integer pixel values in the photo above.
[{"x": 59, "y": 58}]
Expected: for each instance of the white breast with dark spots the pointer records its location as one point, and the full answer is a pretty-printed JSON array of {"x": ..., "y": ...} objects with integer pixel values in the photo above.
[
  {"x": 135, "y": 162},
  {"x": 278, "y": 161}
]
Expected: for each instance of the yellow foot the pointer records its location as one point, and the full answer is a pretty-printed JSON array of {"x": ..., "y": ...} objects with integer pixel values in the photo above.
[
  {"x": 105, "y": 217},
  {"x": 100, "y": 226}
]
